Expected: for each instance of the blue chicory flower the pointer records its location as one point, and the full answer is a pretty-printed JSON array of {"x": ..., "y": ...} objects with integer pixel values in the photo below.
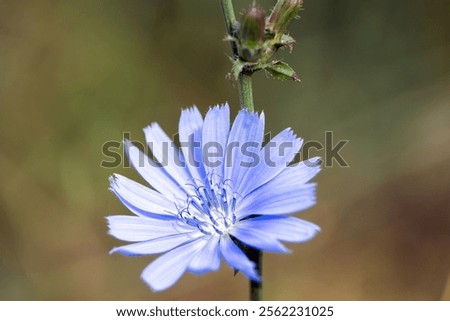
[{"x": 203, "y": 200}]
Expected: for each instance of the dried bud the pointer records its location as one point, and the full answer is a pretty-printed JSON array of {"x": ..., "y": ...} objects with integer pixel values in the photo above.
[
  {"x": 282, "y": 14},
  {"x": 252, "y": 33}
]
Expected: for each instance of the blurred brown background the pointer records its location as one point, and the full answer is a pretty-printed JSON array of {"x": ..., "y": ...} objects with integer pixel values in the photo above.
[{"x": 76, "y": 74}]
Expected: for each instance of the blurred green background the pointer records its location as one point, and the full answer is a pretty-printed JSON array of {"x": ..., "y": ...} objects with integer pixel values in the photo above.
[{"x": 76, "y": 74}]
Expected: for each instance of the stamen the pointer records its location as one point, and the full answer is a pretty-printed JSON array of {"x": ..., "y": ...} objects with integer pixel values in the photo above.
[
  {"x": 225, "y": 222},
  {"x": 211, "y": 209},
  {"x": 218, "y": 231},
  {"x": 233, "y": 207}
]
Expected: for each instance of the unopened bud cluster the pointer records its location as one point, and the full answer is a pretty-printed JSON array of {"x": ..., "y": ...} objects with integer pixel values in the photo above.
[{"x": 260, "y": 36}]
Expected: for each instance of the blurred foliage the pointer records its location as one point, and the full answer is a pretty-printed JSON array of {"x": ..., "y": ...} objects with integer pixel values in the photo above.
[{"x": 76, "y": 74}]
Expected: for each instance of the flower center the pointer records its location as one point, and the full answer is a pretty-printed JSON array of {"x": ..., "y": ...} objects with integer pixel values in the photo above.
[{"x": 211, "y": 208}]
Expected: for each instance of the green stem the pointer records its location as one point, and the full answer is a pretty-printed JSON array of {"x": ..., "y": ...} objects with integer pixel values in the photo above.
[
  {"x": 256, "y": 287},
  {"x": 244, "y": 79},
  {"x": 246, "y": 98},
  {"x": 228, "y": 13},
  {"x": 245, "y": 91},
  {"x": 231, "y": 22}
]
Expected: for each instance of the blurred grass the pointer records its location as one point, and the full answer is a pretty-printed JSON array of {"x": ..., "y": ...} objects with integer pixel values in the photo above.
[{"x": 74, "y": 75}]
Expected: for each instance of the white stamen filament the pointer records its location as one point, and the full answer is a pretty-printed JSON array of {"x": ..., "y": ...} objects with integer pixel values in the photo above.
[{"x": 212, "y": 208}]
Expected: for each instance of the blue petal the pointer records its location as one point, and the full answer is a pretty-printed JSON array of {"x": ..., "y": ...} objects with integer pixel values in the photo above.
[
  {"x": 167, "y": 154},
  {"x": 207, "y": 259},
  {"x": 237, "y": 259},
  {"x": 139, "y": 199},
  {"x": 190, "y": 130},
  {"x": 286, "y": 193},
  {"x": 273, "y": 158},
  {"x": 244, "y": 144},
  {"x": 215, "y": 136},
  {"x": 135, "y": 229},
  {"x": 283, "y": 228},
  {"x": 157, "y": 245},
  {"x": 272, "y": 199},
  {"x": 153, "y": 173},
  {"x": 258, "y": 239},
  {"x": 168, "y": 268},
  {"x": 300, "y": 173}
]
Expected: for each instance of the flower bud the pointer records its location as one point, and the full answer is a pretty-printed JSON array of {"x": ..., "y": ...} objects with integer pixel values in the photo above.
[
  {"x": 252, "y": 34},
  {"x": 282, "y": 14}
]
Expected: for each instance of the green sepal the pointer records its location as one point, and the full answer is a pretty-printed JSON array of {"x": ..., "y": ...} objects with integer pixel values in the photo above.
[
  {"x": 287, "y": 41},
  {"x": 282, "y": 71},
  {"x": 238, "y": 67}
]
